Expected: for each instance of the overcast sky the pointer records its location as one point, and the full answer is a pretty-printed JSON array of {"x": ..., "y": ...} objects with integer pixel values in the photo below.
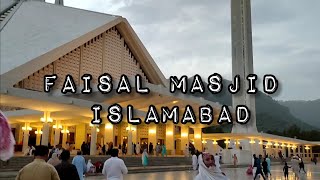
[{"x": 187, "y": 37}]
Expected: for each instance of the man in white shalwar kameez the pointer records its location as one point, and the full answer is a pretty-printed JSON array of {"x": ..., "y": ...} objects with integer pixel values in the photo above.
[
  {"x": 194, "y": 162},
  {"x": 114, "y": 167}
]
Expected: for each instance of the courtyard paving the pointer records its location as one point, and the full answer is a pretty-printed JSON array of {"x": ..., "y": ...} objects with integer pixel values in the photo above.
[{"x": 313, "y": 173}]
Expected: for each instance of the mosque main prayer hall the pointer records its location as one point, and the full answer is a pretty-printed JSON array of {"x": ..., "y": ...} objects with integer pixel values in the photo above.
[{"x": 39, "y": 38}]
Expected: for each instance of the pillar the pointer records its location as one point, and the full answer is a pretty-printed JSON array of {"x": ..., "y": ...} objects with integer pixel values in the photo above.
[
  {"x": 303, "y": 151},
  {"x": 108, "y": 133},
  {"x": 93, "y": 143},
  {"x": 184, "y": 137},
  {"x": 215, "y": 146},
  {"x": 57, "y": 137},
  {"x": 169, "y": 142},
  {"x": 311, "y": 154},
  {"x": 152, "y": 135},
  {"x": 38, "y": 137},
  {"x": 81, "y": 133},
  {"x": 299, "y": 153},
  {"x": 130, "y": 136},
  {"x": 210, "y": 147},
  {"x": 45, "y": 134},
  {"x": 25, "y": 140},
  {"x": 65, "y": 136},
  {"x": 134, "y": 134},
  {"x": 198, "y": 138},
  {"x": 260, "y": 145},
  {"x": 237, "y": 144}
]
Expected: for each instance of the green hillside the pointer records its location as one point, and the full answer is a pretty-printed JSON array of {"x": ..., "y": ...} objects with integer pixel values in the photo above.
[
  {"x": 271, "y": 116},
  {"x": 308, "y": 111}
]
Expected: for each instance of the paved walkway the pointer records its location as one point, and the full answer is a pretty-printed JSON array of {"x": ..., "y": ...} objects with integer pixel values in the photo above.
[{"x": 313, "y": 173}]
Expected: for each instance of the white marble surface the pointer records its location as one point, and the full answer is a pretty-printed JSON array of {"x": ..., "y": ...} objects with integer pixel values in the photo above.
[{"x": 313, "y": 173}]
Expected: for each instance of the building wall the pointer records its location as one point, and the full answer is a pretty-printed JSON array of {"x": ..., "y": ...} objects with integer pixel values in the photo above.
[{"x": 106, "y": 53}]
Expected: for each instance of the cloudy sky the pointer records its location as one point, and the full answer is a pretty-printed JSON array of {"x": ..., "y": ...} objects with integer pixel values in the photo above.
[{"x": 187, "y": 37}]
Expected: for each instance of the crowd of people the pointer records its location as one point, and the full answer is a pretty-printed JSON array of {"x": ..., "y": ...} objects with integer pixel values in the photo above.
[
  {"x": 59, "y": 166},
  {"x": 261, "y": 167}
]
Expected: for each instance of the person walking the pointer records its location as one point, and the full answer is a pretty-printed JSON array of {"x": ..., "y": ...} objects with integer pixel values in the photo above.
[
  {"x": 265, "y": 167},
  {"x": 164, "y": 150},
  {"x": 301, "y": 165},
  {"x": 269, "y": 165},
  {"x": 114, "y": 167},
  {"x": 194, "y": 161},
  {"x": 186, "y": 151},
  {"x": 217, "y": 160},
  {"x": 257, "y": 164},
  {"x": 38, "y": 169},
  {"x": 138, "y": 148},
  {"x": 65, "y": 169},
  {"x": 151, "y": 148},
  {"x": 286, "y": 170},
  {"x": 235, "y": 160},
  {"x": 54, "y": 160},
  {"x": 144, "y": 158},
  {"x": 80, "y": 164},
  {"x": 158, "y": 149}
]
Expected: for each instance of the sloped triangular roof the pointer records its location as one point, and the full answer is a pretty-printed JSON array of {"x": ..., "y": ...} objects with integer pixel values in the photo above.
[{"x": 39, "y": 33}]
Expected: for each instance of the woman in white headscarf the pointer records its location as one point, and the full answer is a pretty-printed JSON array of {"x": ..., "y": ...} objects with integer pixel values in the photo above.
[
  {"x": 7, "y": 141},
  {"x": 207, "y": 169},
  {"x": 54, "y": 160}
]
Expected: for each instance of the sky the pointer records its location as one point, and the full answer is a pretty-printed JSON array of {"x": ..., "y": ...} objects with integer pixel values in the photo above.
[{"x": 187, "y": 37}]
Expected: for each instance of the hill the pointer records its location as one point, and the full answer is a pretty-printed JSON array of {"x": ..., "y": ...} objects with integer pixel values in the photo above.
[
  {"x": 271, "y": 116},
  {"x": 308, "y": 111}
]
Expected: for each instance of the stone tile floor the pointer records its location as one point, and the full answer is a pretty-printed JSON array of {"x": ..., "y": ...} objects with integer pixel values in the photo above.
[{"x": 313, "y": 173}]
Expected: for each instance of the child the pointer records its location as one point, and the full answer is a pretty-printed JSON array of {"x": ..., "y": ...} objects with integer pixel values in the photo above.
[{"x": 286, "y": 170}]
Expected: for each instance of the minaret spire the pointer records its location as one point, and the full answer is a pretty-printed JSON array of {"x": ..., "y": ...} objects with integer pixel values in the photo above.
[{"x": 59, "y": 2}]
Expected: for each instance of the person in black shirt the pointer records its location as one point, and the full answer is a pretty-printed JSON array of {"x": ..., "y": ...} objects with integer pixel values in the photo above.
[
  {"x": 286, "y": 170},
  {"x": 257, "y": 163},
  {"x": 65, "y": 169},
  {"x": 265, "y": 167}
]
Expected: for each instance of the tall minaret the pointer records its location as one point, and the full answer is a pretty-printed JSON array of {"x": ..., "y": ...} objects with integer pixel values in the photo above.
[{"x": 242, "y": 61}]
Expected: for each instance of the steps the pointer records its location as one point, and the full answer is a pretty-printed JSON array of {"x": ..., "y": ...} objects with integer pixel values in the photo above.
[{"x": 17, "y": 163}]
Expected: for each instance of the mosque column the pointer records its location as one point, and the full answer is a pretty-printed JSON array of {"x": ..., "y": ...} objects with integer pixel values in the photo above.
[
  {"x": 45, "y": 128},
  {"x": 170, "y": 134},
  {"x": 184, "y": 137},
  {"x": 237, "y": 144},
  {"x": 215, "y": 146},
  {"x": 152, "y": 135},
  {"x": 134, "y": 134},
  {"x": 26, "y": 135},
  {"x": 57, "y": 136},
  {"x": 253, "y": 146},
  {"x": 38, "y": 135},
  {"x": 81, "y": 135},
  {"x": 93, "y": 143},
  {"x": 198, "y": 138},
  {"x": 130, "y": 130},
  {"x": 45, "y": 134},
  {"x": 65, "y": 133},
  {"x": 109, "y": 133},
  {"x": 210, "y": 146},
  {"x": 260, "y": 147}
]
